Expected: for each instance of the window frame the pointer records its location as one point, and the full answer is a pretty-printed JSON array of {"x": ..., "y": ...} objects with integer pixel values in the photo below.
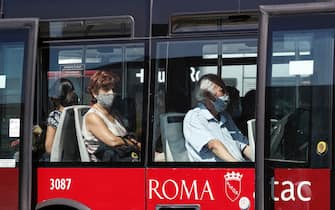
[
  {"x": 263, "y": 172},
  {"x": 87, "y": 44},
  {"x": 219, "y": 64},
  {"x": 25, "y": 178}
]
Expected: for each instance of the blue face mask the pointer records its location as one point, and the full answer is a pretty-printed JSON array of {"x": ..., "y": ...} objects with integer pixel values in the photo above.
[{"x": 221, "y": 103}]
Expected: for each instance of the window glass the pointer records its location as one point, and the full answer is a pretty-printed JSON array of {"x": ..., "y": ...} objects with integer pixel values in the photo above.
[
  {"x": 78, "y": 64},
  {"x": 242, "y": 77},
  {"x": 178, "y": 66},
  {"x": 299, "y": 94},
  {"x": 12, "y": 48},
  {"x": 239, "y": 74}
]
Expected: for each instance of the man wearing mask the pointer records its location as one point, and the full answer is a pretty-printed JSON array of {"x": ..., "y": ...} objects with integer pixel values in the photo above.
[{"x": 210, "y": 133}]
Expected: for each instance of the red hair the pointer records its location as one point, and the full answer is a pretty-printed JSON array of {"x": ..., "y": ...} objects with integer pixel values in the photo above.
[{"x": 105, "y": 80}]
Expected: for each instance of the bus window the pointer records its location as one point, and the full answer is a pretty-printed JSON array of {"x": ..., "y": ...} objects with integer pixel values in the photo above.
[
  {"x": 77, "y": 63},
  {"x": 178, "y": 67},
  {"x": 239, "y": 73},
  {"x": 242, "y": 75},
  {"x": 11, "y": 83},
  {"x": 298, "y": 93}
]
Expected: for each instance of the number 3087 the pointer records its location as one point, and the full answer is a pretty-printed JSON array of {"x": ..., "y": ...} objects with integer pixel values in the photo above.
[{"x": 60, "y": 183}]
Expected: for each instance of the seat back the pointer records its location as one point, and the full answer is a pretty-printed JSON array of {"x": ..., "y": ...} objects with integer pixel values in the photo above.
[
  {"x": 79, "y": 112},
  {"x": 68, "y": 142},
  {"x": 252, "y": 136},
  {"x": 277, "y": 134},
  {"x": 173, "y": 140},
  {"x": 252, "y": 133}
]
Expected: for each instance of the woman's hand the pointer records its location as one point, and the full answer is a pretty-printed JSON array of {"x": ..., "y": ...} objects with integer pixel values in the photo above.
[{"x": 132, "y": 141}]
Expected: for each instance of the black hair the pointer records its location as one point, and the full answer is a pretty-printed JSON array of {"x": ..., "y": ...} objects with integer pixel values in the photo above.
[{"x": 63, "y": 93}]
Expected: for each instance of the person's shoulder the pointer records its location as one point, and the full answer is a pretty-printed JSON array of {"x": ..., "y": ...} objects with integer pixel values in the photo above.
[
  {"x": 194, "y": 114},
  {"x": 192, "y": 111},
  {"x": 55, "y": 113},
  {"x": 54, "y": 118},
  {"x": 92, "y": 115}
]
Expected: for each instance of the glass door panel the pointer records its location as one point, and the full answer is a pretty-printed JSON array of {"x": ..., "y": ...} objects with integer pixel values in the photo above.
[
  {"x": 295, "y": 127},
  {"x": 17, "y": 73}
]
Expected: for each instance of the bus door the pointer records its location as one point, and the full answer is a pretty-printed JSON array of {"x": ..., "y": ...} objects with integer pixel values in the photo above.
[
  {"x": 73, "y": 51},
  {"x": 295, "y": 120},
  {"x": 18, "y": 40},
  {"x": 174, "y": 181}
]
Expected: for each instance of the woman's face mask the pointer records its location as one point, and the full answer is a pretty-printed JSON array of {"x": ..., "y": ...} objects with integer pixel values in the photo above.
[
  {"x": 221, "y": 103},
  {"x": 106, "y": 99}
]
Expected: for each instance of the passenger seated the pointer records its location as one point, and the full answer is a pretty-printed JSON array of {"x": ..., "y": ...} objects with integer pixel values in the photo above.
[
  {"x": 100, "y": 126},
  {"x": 210, "y": 133},
  {"x": 234, "y": 107},
  {"x": 248, "y": 110},
  {"x": 62, "y": 94}
]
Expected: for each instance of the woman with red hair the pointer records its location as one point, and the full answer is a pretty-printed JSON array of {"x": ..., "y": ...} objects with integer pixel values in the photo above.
[{"x": 99, "y": 124}]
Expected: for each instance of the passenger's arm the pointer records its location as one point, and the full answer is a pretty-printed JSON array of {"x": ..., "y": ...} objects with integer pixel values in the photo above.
[
  {"x": 49, "y": 138},
  {"x": 220, "y": 150},
  {"x": 99, "y": 129},
  {"x": 134, "y": 142}
]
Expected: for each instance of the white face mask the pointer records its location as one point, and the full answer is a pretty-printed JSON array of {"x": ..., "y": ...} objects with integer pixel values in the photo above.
[
  {"x": 221, "y": 103},
  {"x": 106, "y": 99}
]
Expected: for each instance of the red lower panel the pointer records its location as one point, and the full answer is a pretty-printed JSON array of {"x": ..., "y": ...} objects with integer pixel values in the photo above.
[
  {"x": 9, "y": 188},
  {"x": 97, "y": 188},
  {"x": 301, "y": 189},
  {"x": 210, "y": 189}
]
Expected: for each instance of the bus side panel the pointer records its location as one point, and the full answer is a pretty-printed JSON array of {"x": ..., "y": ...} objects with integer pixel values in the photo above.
[
  {"x": 97, "y": 188},
  {"x": 301, "y": 188},
  {"x": 9, "y": 182},
  {"x": 205, "y": 188}
]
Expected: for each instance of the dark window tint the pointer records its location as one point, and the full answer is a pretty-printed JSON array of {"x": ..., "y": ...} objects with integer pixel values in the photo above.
[{"x": 299, "y": 93}]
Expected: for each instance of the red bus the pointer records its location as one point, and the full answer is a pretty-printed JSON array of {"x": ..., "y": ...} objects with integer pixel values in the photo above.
[{"x": 160, "y": 49}]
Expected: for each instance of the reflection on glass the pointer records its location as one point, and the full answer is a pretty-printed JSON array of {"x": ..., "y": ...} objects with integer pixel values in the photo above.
[
  {"x": 183, "y": 63},
  {"x": 300, "y": 77},
  {"x": 78, "y": 64},
  {"x": 11, "y": 75}
]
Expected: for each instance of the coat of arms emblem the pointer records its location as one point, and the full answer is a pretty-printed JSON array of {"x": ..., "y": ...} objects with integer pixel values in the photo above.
[{"x": 233, "y": 185}]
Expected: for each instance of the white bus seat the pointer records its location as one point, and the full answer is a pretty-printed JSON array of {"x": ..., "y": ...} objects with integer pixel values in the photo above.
[
  {"x": 66, "y": 128},
  {"x": 252, "y": 136},
  {"x": 252, "y": 132},
  {"x": 68, "y": 145},
  {"x": 173, "y": 140}
]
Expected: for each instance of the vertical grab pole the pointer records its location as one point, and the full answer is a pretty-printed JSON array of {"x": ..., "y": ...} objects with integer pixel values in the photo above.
[
  {"x": 260, "y": 113},
  {"x": 25, "y": 178},
  {"x": 2, "y": 14}
]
